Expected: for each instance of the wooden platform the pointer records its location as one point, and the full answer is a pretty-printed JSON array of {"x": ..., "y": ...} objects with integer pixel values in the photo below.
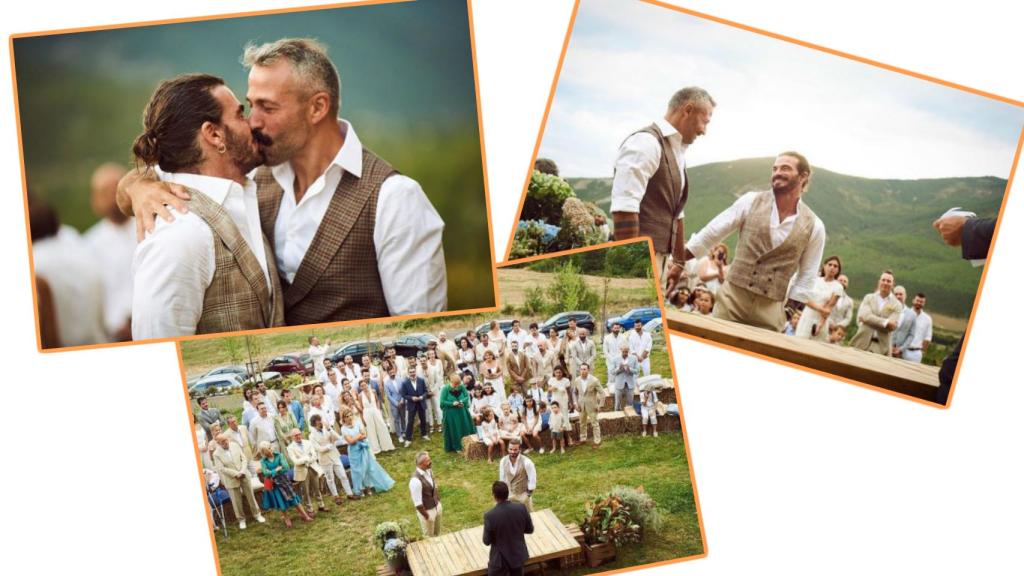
[
  {"x": 918, "y": 380},
  {"x": 463, "y": 552}
]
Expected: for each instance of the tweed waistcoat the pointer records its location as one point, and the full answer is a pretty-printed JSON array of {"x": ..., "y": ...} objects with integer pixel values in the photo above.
[
  {"x": 664, "y": 197},
  {"x": 428, "y": 491},
  {"x": 238, "y": 297},
  {"x": 758, "y": 267},
  {"x": 338, "y": 277},
  {"x": 518, "y": 483}
]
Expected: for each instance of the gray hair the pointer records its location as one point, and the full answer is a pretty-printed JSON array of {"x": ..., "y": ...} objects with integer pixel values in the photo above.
[
  {"x": 314, "y": 70},
  {"x": 420, "y": 456},
  {"x": 690, "y": 94}
]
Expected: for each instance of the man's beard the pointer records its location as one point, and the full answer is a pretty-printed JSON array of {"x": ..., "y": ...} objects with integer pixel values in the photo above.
[
  {"x": 785, "y": 186},
  {"x": 242, "y": 153}
]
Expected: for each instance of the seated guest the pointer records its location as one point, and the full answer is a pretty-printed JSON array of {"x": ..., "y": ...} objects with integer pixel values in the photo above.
[
  {"x": 557, "y": 422},
  {"x": 277, "y": 487},
  {"x": 477, "y": 405},
  {"x": 680, "y": 298},
  {"x": 836, "y": 334},
  {"x": 493, "y": 400},
  {"x": 508, "y": 424},
  {"x": 532, "y": 424},
  {"x": 367, "y": 474},
  {"x": 516, "y": 401},
  {"x": 457, "y": 422},
  {"x": 703, "y": 302},
  {"x": 489, "y": 435}
]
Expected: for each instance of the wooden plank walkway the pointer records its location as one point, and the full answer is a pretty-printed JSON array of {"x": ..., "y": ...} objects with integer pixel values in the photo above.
[
  {"x": 917, "y": 380},
  {"x": 463, "y": 552}
]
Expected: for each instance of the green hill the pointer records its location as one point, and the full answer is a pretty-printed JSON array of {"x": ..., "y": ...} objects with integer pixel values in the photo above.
[{"x": 872, "y": 224}]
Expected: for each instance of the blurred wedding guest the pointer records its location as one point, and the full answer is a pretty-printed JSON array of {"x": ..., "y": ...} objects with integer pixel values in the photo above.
[
  {"x": 842, "y": 312},
  {"x": 457, "y": 422},
  {"x": 559, "y": 388},
  {"x": 278, "y": 493},
  {"x": 821, "y": 299},
  {"x": 376, "y": 427},
  {"x": 648, "y": 411},
  {"x": 792, "y": 319},
  {"x": 917, "y": 342},
  {"x": 974, "y": 237},
  {"x": 433, "y": 371},
  {"x": 546, "y": 166},
  {"x": 905, "y": 324},
  {"x": 324, "y": 440},
  {"x": 581, "y": 351},
  {"x": 836, "y": 334},
  {"x": 415, "y": 394},
  {"x": 492, "y": 374},
  {"x": 490, "y": 433},
  {"x": 307, "y": 470},
  {"x": 208, "y": 415},
  {"x": 112, "y": 242},
  {"x": 240, "y": 436},
  {"x": 680, "y": 298},
  {"x": 71, "y": 278},
  {"x": 467, "y": 356},
  {"x": 613, "y": 342},
  {"x": 295, "y": 407},
  {"x": 261, "y": 429},
  {"x": 711, "y": 269},
  {"x": 317, "y": 353},
  {"x": 519, "y": 366},
  {"x": 640, "y": 345},
  {"x": 703, "y": 301},
  {"x": 367, "y": 473},
  {"x": 877, "y": 317},
  {"x": 230, "y": 461},
  {"x": 284, "y": 423},
  {"x": 519, "y": 473},
  {"x": 202, "y": 442},
  {"x": 447, "y": 350},
  {"x": 624, "y": 371},
  {"x": 396, "y": 403},
  {"x": 590, "y": 393}
]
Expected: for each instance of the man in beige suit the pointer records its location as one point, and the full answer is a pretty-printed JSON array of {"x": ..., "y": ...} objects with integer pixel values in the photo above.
[
  {"x": 233, "y": 467},
  {"x": 590, "y": 395},
  {"x": 877, "y": 317},
  {"x": 324, "y": 444},
  {"x": 581, "y": 351},
  {"x": 544, "y": 363},
  {"x": 240, "y": 436},
  {"x": 519, "y": 369},
  {"x": 306, "y": 469},
  {"x": 779, "y": 238}
]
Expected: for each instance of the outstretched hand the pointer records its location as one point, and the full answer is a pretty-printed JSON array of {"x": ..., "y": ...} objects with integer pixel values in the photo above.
[{"x": 951, "y": 228}]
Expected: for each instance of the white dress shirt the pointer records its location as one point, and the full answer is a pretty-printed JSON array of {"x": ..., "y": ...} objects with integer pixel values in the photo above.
[
  {"x": 174, "y": 265},
  {"x": 638, "y": 160},
  {"x": 613, "y": 345},
  {"x": 113, "y": 246},
  {"x": 531, "y": 470},
  {"x": 406, "y": 235},
  {"x": 922, "y": 331},
  {"x": 640, "y": 343},
  {"x": 733, "y": 217},
  {"x": 519, "y": 338},
  {"x": 76, "y": 286},
  {"x": 416, "y": 487}
]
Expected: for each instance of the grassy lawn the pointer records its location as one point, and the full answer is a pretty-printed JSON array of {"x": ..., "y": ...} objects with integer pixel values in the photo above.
[{"x": 339, "y": 542}]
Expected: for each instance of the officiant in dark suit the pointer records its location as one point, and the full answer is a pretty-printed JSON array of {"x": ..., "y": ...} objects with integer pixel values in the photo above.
[
  {"x": 415, "y": 393},
  {"x": 505, "y": 529}
]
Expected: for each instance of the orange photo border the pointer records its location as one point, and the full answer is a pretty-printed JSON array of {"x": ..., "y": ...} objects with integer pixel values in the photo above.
[
  {"x": 932, "y": 79},
  {"x": 24, "y": 177},
  {"x": 675, "y": 380}
]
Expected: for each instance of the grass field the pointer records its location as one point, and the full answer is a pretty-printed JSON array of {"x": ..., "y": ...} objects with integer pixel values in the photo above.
[{"x": 339, "y": 542}]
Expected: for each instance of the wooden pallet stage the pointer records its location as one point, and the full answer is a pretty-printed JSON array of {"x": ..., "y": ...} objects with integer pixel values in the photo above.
[
  {"x": 917, "y": 380},
  {"x": 463, "y": 553}
]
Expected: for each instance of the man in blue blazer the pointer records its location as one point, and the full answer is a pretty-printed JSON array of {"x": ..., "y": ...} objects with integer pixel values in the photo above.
[{"x": 414, "y": 391}]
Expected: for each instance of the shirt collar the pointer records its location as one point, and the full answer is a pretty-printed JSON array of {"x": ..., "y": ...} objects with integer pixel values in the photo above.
[
  {"x": 216, "y": 188},
  {"x": 349, "y": 157}
]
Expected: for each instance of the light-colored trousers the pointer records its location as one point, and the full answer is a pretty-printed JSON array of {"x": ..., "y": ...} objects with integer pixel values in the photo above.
[
  {"x": 743, "y": 306},
  {"x": 337, "y": 471},
  {"x": 912, "y": 355},
  {"x": 624, "y": 397},
  {"x": 311, "y": 489},
  {"x": 591, "y": 417},
  {"x": 525, "y": 499},
  {"x": 431, "y": 525},
  {"x": 236, "y": 499},
  {"x": 434, "y": 409}
]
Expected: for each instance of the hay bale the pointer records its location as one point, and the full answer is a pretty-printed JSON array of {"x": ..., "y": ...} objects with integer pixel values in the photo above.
[
  {"x": 612, "y": 423},
  {"x": 473, "y": 448}
]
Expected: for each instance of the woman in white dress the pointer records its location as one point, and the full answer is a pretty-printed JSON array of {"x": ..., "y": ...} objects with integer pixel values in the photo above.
[
  {"x": 493, "y": 375},
  {"x": 814, "y": 321},
  {"x": 558, "y": 387},
  {"x": 712, "y": 268},
  {"x": 467, "y": 356},
  {"x": 376, "y": 428}
]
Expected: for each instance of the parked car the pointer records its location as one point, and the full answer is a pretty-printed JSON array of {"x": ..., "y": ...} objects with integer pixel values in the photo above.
[
  {"x": 357, "y": 350},
  {"x": 236, "y": 369},
  {"x": 306, "y": 360},
  {"x": 627, "y": 320},
  {"x": 222, "y": 381},
  {"x": 505, "y": 325},
  {"x": 287, "y": 364},
  {"x": 560, "y": 322},
  {"x": 410, "y": 344},
  {"x": 653, "y": 326}
]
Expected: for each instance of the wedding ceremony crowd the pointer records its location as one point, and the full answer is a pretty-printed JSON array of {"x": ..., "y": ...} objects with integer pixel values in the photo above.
[{"x": 319, "y": 440}]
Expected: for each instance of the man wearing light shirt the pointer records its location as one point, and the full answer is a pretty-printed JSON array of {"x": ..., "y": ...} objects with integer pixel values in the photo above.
[
  {"x": 917, "y": 344},
  {"x": 261, "y": 429},
  {"x": 779, "y": 237},
  {"x": 209, "y": 270},
  {"x": 318, "y": 354},
  {"x": 877, "y": 318},
  {"x": 650, "y": 187},
  {"x": 333, "y": 389},
  {"x": 352, "y": 237},
  {"x": 519, "y": 473},
  {"x": 842, "y": 312},
  {"x": 905, "y": 327},
  {"x": 640, "y": 345},
  {"x": 425, "y": 498},
  {"x": 613, "y": 342}
]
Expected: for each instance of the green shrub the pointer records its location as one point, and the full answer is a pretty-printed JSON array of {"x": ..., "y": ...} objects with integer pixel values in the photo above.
[
  {"x": 544, "y": 198},
  {"x": 528, "y": 241},
  {"x": 569, "y": 291},
  {"x": 533, "y": 302}
]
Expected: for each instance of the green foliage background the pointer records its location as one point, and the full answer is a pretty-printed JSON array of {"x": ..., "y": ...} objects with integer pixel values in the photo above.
[
  {"x": 872, "y": 224},
  {"x": 407, "y": 87}
]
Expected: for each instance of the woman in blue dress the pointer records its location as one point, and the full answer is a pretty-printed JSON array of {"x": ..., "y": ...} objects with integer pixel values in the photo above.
[
  {"x": 367, "y": 474},
  {"x": 277, "y": 487}
]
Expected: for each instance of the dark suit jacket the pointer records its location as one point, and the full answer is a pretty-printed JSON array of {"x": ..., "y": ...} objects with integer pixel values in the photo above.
[
  {"x": 505, "y": 527},
  {"x": 410, "y": 389},
  {"x": 977, "y": 235}
]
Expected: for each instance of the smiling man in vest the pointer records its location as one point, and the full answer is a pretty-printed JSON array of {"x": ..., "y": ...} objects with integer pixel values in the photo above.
[
  {"x": 780, "y": 237},
  {"x": 352, "y": 237},
  {"x": 425, "y": 498},
  {"x": 649, "y": 188}
]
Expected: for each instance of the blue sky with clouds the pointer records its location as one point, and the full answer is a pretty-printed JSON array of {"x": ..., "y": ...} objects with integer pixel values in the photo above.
[{"x": 626, "y": 58}]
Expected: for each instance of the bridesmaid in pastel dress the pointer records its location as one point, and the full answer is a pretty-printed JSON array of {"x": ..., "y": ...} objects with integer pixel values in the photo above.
[
  {"x": 376, "y": 428},
  {"x": 367, "y": 474}
]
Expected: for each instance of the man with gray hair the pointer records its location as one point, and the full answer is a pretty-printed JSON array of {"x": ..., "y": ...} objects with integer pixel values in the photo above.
[
  {"x": 650, "y": 187},
  {"x": 351, "y": 236},
  {"x": 425, "y": 497}
]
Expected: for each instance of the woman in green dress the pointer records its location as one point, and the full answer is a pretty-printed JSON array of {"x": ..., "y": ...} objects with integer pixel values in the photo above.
[
  {"x": 284, "y": 423},
  {"x": 455, "y": 406}
]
